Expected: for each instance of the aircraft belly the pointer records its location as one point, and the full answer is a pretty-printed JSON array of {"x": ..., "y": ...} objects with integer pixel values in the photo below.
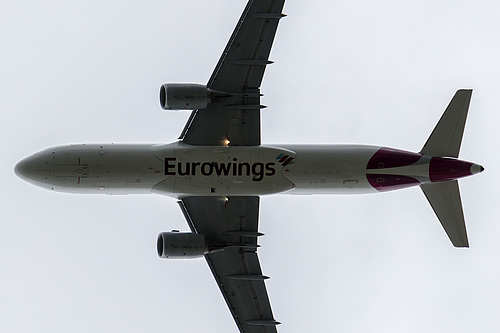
[
  {"x": 222, "y": 170},
  {"x": 330, "y": 169},
  {"x": 182, "y": 170},
  {"x": 123, "y": 169},
  {"x": 98, "y": 169}
]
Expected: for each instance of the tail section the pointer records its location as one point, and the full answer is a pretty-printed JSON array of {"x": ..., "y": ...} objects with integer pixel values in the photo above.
[
  {"x": 446, "y": 138},
  {"x": 444, "y": 197},
  {"x": 443, "y": 193}
]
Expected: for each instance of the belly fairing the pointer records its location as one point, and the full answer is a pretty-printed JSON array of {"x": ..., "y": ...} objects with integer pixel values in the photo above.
[{"x": 223, "y": 171}]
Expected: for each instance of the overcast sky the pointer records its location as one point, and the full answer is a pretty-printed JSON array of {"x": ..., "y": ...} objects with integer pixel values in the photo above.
[{"x": 345, "y": 72}]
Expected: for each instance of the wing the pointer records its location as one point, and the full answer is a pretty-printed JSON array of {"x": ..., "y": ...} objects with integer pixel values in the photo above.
[
  {"x": 235, "y": 115},
  {"x": 232, "y": 222}
]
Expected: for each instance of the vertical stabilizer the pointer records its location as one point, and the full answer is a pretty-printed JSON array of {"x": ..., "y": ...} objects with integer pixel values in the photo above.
[
  {"x": 446, "y": 138},
  {"x": 444, "y": 198}
]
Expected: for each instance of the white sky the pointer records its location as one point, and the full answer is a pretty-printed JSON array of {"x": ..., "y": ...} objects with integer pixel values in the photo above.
[{"x": 346, "y": 72}]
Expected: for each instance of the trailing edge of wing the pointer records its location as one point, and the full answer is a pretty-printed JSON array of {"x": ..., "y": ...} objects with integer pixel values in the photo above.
[{"x": 444, "y": 197}]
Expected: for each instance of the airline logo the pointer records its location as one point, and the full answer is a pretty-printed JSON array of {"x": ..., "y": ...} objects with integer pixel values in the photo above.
[
  {"x": 256, "y": 170},
  {"x": 284, "y": 159}
]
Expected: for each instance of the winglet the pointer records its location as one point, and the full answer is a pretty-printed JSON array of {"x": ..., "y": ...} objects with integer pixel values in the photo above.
[
  {"x": 446, "y": 138},
  {"x": 444, "y": 198}
]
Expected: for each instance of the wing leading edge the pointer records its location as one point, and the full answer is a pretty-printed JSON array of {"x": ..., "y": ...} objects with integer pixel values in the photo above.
[
  {"x": 234, "y": 117},
  {"x": 233, "y": 223}
]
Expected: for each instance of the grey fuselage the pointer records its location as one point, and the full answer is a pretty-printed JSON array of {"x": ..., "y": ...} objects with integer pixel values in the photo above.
[{"x": 181, "y": 170}]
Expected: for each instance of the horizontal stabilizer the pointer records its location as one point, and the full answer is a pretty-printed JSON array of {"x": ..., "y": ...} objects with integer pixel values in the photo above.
[
  {"x": 444, "y": 198},
  {"x": 446, "y": 138}
]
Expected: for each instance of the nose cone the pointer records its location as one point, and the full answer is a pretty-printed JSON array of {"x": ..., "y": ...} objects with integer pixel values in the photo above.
[
  {"x": 34, "y": 169},
  {"x": 23, "y": 169}
]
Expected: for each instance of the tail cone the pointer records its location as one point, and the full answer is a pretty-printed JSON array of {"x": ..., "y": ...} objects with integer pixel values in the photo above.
[{"x": 476, "y": 168}]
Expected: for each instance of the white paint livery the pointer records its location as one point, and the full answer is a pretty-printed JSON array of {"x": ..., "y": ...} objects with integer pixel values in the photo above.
[
  {"x": 179, "y": 170},
  {"x": 142, "y": 169}
]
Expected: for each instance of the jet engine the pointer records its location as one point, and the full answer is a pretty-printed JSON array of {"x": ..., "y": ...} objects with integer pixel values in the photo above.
[
  {"x": 184, "y": 96},
  {"x": 181, "y": 245}
]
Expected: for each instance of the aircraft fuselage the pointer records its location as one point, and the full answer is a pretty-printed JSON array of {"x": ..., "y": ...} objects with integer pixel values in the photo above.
[{"x": 180, "y": 170}]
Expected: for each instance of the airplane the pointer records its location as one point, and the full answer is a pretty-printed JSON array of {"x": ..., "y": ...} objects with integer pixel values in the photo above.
[{"x": 218, "y": 169}]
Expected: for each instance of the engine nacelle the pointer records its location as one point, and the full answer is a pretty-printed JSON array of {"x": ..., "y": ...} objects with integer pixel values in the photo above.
[
  {"x": 181, "y": 245},
  {"x": 184, "y": 96}
]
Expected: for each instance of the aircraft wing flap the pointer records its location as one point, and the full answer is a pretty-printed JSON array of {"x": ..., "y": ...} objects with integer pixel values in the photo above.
[{"x": 233, "y": 222}]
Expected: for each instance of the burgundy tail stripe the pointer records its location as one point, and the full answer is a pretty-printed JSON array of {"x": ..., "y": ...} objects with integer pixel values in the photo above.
[{"x": 283, "y": 158}]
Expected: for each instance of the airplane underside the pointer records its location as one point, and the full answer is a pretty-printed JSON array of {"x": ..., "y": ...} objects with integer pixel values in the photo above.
[{"x": 181, "y": 170}]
